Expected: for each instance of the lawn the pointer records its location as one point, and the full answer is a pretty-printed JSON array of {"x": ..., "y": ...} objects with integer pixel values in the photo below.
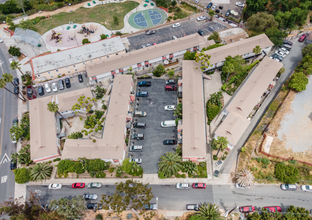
[{"x": 102, "y": 14}]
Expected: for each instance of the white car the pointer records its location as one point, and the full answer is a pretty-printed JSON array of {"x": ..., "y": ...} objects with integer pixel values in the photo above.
[
  {"x": 47, "y": 87},
  {"x": 148, "y": 45},
  {"x": 196, "y": 1},
  {"x": 54, "y": 87},
  {"x": 182, "y": 186},
  {"x": 214, "y": 7},
  {"x": 11, "y": 60},
  {"x": 240, "y": 4},
  {"x": 201, "y": 18},
  {"x": 306, "y": 188},
  {"x": 170, "y": 107},
  {"x": 55, "y": 186},
  {"x": 174, "y": 37},
  {"x": 280, "y": 53},
  {"x": 176, "y": 25},
  {"x": 137, "y": 160},
  {"x": 284, "y": 50},
  {"x": 1, "y": 41},
  {"x": 241, "y": 186}
]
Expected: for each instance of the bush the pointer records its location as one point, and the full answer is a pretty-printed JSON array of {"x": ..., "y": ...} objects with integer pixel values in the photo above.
[
  {"x": 286, "y": 173},
  {"x": 104, "y": 106},
  {"x": 103, "y": 36},
  {"x": 96, "y": 165},
  {"x": 75, "y": 135},
  {"x": 15, "y": 51},
  {"x": 116, "y": 20},
  {"x": 179, "y": 151},
  {"x": 173, "y": 3},
  {"x": 22, "y": 175},
  {"x": 189, "y": 55},
  {"x": 215, "y": 157},
  {"x": 118, "y": 33},
  {"x": 161, "y": 175},
  {"x": 100, "y": 174},
  {"x": 90, "y": 111},
  {"x": 99, "y": 217},
  {"x": 111, "y": 169},
  {"x": 160, "y": 69},
  {"x": 56, "y": 159},
  {"x": 126, "y": 141},
  {"x": 85, "y": 41},
  {"x": 99, "y": 114},
  {"x": 298, "y": 82}
]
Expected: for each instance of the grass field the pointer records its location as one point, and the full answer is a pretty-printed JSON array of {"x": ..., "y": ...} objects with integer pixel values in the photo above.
[{"x": 102, "y": 14}]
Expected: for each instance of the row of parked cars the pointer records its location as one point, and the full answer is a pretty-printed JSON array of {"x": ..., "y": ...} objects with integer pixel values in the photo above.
[
  {"x": 217, "y": 9},
  {"x": 282, "y": 51}
]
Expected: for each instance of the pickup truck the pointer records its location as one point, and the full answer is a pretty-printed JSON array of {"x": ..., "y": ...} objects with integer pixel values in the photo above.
[{"x": 144, "y": 84}]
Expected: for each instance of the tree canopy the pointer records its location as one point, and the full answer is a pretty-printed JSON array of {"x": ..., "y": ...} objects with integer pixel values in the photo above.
[
  {"x": 298, "y": 81},
  {"x": 276, "y": 36},
  {"x": 71, "y": 208},
  {"x": 261, "y": 21},
  {"x": 286, "y": 173}
]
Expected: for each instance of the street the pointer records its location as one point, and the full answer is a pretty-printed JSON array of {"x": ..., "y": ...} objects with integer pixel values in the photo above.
[
  {"x": 8, "y": 111},
  {"x": 170, "y": 198}
]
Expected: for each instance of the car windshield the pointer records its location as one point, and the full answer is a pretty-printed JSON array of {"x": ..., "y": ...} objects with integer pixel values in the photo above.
[
  {"x": 286, "y": 186},
  {"x": 307, "y": 187}
]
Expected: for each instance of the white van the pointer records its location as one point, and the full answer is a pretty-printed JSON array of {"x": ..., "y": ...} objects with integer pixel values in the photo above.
[{"x": 167, "y": 124}]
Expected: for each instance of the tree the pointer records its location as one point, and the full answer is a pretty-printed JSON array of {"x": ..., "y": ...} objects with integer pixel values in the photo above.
[
  {"x": 256, "y": 51},
  {"x": 261, "y": 21},
  {"x": 22, "y": 175},
  {"x": 233, "y": 65},
  {"x": 128, "y": 195},
  {"x": 280, "y": 72},
  {"x": 41, "y": 171},
  {"x": 298, "y": 81},
  {"x": 160, "y": 69},
  {"x": 286, "y": 173},
  {"x": 215, "y": 36},
  {"x": 85, "y": 41},
  {"x": 8, "y": 78},
  {"x": 118, "y": 33},
  {"x": 178, "y": 111},
  {"x": 103, "y": 36},
  {"x": 189, "y": 55},
  {"x": 27, "y": 24},
  {"x": 15, "y": 51},
  {"x": 16, "y": 132},
  {"x": 116, "y": 20},
  {"x": 71, "y": 208},
  {"x": 209, "y": 211},
  {"x": 171, "y": 73},
  {"x": 276, "y": 36},
  {"x": 253, "y": 7},
  {"x": 16, "y": 65},
  {"x": 2, "y": 86},
  {"x": 23, "y": 156},
  {"x": 53, "y": 107},
  {"x": 221, "y": 143},
  {"x": 211, "y": 14},
  {"x": 244, "y": 177},
  {"x": 307, "y": 50},
  {"x": 170, "y": 163}
]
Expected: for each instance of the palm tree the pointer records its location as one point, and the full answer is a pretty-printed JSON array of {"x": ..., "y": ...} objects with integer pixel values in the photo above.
[
  {"x": 229, "y": 69},
  {"x": 209, "y": 211},
  {"x": 16, "y": 65},
  {"x": 41, "y": 171},
  {"x": 2, "y": 86},
  {"x": 256, "y": 51},
  {"x": 244, "y": 177},
  {"x": 53, "y": 107},
  {"x": 221, "y": 143},
  {"x": 8, "y": 78},
  {"x": 211, "y": 14},
  {"x": 170, "y": 163},
  {"x": 178, "y": 111}
]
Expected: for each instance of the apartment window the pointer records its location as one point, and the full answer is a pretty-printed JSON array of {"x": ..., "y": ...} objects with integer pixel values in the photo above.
[
  {"x": 74, "y": 65},
  {"x": 56, "y": 70},
  {"x": 51, "y": 76},
  {"x": 100, "y": 58},
  {"x": 49, "y": 72},
  {"x": 68, "y": 71},
  {"x": 107, "y": 56},
  {"x": 66, "y": 67},
  {"x": 91, "y": 61},
  {"x": 84, "y": 63},
  {"x": 116, "y": 53},
  {"x": 76, "y": 69},
  {"x": 38, "y": 75}
]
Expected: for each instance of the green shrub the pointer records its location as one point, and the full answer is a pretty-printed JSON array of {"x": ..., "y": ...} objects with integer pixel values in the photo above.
[
  {"x": 292, "y": 161},
  {"x": 183, "y": 175},
  {"x": 215, "y": 157},
  {"x": 99, "y": 217},
  {"x": 160, "y": 69},
  {"x": 161, "y": 175},
  {"x": 103, "y": 36},
  {"x": 75, "y": 135},
  {"x": 286, "y": 173},
  {"x": 259, "y": 159},
  {"x": 226, "y": 153},
  {"x": 177, "y": 175},
  {"x": 22, "y": 175},
  {"x": 56, "y": 159},
  {"x": 99, "y": 114},
  {"x": 15, "y": 51},
  {"x": 90, "y": 111},
  {"x": 265, "y": 161},
  {"x": 223, "y": 157},
  {"x": 96, "y": 165},
  {"x": 179, "y": 151},
  {"x": 111, "y": 169},
  {"x": 100, "y": 174},
  {"x": 104, "y": 106},
  {"x": 126, "y": 141}
]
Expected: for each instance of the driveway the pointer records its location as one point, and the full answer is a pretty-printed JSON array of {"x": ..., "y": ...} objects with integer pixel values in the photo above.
[
  {"x": 154, "y": 134},
  {"x": 166, "y": 33}
]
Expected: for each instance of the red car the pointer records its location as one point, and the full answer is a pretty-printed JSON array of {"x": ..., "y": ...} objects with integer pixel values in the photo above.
[
  {"x": 199, "y": 185},
  {"x": 273, "y": 208},
  {"x": 246, "y": 209},
  {"x": 301, "y": 39},
  {"x": 78, "y": 185}
]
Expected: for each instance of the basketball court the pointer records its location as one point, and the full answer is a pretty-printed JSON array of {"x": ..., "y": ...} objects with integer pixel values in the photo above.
[{"x": 147, "y": 18}]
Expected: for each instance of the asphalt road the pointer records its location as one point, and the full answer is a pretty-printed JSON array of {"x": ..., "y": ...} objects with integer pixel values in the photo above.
[
  {"x": 8, "y": 111},
  {"x": 169, "y": 198},
  {"x": 290, "y": 63},
  {"x": 166, "y": 33}
]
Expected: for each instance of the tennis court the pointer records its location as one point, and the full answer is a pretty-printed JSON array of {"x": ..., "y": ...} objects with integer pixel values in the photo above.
[{"x": 147, "y": 18}]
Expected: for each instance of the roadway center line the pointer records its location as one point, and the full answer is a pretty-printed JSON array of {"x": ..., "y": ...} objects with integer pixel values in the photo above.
[{"x": 3, "y": 123}]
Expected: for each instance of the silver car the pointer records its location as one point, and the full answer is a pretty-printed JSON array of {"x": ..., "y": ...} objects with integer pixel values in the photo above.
[
  {"x": 182, "y": 186},
  {"x": 214, "y": 7},
  {"x": 90, "y": 196},
  {"x": 289, "y": 187},
  {"x": 306, "y": 188},
  {"x": 94, "y": 185},
  {"x": 137, "y": 160}
]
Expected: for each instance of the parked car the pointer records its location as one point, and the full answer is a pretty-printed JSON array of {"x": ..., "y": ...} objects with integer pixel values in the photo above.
[
  {"x": 55, "y": 186},
  {"x": 16, "y": 90},
  {"x": 217, "y": 11},
  {"x": 152, "y": 206},
  {"x": 182, "y": 186},
  {"x": 139, "y": 125},
  {"x": 201, "y": 18},
  {"x": 40, "y": 90},
  {"x": 192, "y": 207},
  {"x": 273, "y": 208},
  {"x": 67, "y": 83},
  {"x": 138, "y": 136},
  {"x": 139, "y": 114},
  {"x": 287, "y": 47},
  {"x": 90, "y": 196},
  {"x": 246, "y": 209},
  {"x": 302, "y": 38},
  {"x": 199, "y": 185},
  {"x": 280, "y": 54},
  {"x": 78, "y": 185},
  {"x": 61, "y": 84},
  {"x": 80, "y": 79},
  {"x": 284, "y": 50},
  {"x": 144, "y": 84},
  {"x": 196, "y": 1},
  {"x": 47, "y": 87},
  {"x": 16, "y": 81},
  {"x": 148, "y": 45},
  {"x": 94, "y": 185},
  {"x": 54, "y": 87},
  {"x": 142, "y": 94},
  {"x": 143, "y": 46},
  {"x": 288, "y": 42},
  {"x": 170, "y": 107},
  {"x": 174, "y": 38},
  {"x": 137, "y": 160},
  {"x": 170, "y": 82},
  {"x": 214, "y": 7},
  {"x": 227, "y": 14},
  {"x": 136, "y": 148},
  {"x": 209, "y": 5},
  {"x": 1, "y": 41},
  {"x": 288, "y": 187},
  {"x": 176, "y": 25},
  {"x": 170, "y": 142},
  {"x": 275, "y": 56},
  {"x": 306, "y": 188},
  {"x": 13, "y": 165},
  {"x": 240, "y": 4},
  {"x": 150, "y": 32},
  {"x": 200, "y": 32},
  {"x": 241, "y": 186},
  {"x": 170, "y": 88},
  {"x": 94, "y": 206},
  {"x": 220, "y": 7}
]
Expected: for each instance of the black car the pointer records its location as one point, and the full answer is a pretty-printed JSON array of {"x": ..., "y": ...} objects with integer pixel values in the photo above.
[
  {"x": 40, "y": 90},
  {"x": 277, "y": 57},
  {"x": 16, "y": 81},
  {"x": 209, "y": 5},
  {"x": 150, "y": 32},
  {"x": 80, "y": 79},
  {"x": 170, "y": 142},
  {"x": 13, "y": 165},
  {"x": 94, "y": 206},
  {"x": 220, "y": 7},
  {"x": 227, "y": 14},
  {"x": 217, "y": 11},
  {"x": 67, "y": 82},
  {"x": 288, "y": 42},
  {"x": 16, "y": 90},
  {"x": 200, "y": 32}
]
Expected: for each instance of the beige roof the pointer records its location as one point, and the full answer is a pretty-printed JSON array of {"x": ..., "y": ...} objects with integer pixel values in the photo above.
[
  {"x": 113, "y": 143},
  {"x": 235, "y": 38},
  {"x": 43, "y": 139},
  {"x": 194, "y": 138},
  {"x": 241, "y": 105},
  {"x": 250, "y": 93},
  {"x": 238, "y": 48},
  {"x": 148, "y": 53}
]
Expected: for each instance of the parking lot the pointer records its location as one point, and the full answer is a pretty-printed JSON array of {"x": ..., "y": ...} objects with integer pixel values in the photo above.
[
  {"x": 75, "y": 84},
  {"x": 166, "y": 33},
  {"x": 154, "y": 134}
]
